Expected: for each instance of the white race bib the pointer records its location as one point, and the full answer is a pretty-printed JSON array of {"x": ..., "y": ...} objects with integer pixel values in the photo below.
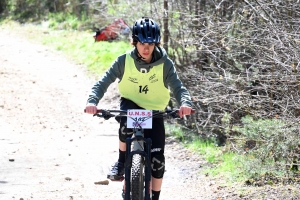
[{"x": 138, "y": 117}]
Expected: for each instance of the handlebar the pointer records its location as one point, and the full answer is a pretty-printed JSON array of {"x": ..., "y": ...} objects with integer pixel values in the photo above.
[{"x": 107, "y": 114}]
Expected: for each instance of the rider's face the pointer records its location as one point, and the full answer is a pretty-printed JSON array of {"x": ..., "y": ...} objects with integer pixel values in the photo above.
[{"x": 145, "y": 50}]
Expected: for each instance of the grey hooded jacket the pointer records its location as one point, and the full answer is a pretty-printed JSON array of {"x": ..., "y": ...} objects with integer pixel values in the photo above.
[{"x": 116, "y": 71}]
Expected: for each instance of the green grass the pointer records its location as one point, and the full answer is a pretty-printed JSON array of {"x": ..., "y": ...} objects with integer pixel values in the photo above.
[
  {"x": 226, "y": 164},
  {"x": 97, "y": 56},
  {"x": 206, "y": 148},
  {"x": 77, "y": 45},
  {"x": 175, "y": 131},
  {"x": 221, "y": 163}
]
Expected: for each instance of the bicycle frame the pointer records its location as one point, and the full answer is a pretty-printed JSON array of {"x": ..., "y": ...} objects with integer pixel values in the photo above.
[{"x": 141, "y": 146}]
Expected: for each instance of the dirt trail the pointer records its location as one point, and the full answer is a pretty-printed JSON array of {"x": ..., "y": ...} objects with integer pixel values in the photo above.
[{"x": 50, "y": 149}]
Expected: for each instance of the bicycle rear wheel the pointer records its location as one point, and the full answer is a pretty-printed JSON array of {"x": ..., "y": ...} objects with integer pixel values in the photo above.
[{"x": 137, "y": 177}]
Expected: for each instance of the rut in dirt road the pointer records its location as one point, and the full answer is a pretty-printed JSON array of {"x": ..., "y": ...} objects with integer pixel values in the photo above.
[{"x": 51, "y": 149}]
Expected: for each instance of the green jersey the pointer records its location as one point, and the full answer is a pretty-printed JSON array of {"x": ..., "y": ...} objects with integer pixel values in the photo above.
[
  {"x": 161, "y": 61},
  {"x": 147, "y": 90}
]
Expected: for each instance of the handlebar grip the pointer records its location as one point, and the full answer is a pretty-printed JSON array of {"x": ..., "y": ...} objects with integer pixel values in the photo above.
[
  {"x": 192, "y": 111},
  {"x": 98, "y": 111}
]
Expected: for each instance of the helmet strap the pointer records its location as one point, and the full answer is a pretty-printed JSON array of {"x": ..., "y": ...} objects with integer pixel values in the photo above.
[{"x": 139, "y": 57}]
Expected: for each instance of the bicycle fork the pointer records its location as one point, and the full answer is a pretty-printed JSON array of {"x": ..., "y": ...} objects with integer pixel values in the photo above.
[{"x": 138, "y": 143}]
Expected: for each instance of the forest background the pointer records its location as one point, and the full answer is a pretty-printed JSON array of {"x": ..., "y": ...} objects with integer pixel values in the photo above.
[{"x": 238, "y": 58}]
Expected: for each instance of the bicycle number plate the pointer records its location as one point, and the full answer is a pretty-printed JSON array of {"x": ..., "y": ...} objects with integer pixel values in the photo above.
[{"x": 138, "y": 117}]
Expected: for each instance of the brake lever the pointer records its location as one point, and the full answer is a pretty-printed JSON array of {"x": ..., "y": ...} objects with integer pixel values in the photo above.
[
  {"x": 106, "y": 114},
  {"x": 103, "y": 113},
  {"x": 97, "y": 115}
]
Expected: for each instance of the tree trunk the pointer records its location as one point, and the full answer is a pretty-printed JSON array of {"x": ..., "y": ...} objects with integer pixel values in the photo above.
[
  {"x": 2, "y": 6},
  {"x": 166, "y": 26}
]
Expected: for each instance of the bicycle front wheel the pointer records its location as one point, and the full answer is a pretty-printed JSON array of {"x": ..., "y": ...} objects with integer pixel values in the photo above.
[{"x": 137, "y": 177}]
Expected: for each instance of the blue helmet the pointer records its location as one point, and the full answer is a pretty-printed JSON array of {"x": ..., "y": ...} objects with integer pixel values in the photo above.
[{"x": 146, "y": 30}]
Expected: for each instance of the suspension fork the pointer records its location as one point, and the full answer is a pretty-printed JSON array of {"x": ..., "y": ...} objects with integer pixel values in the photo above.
[{"x": 139, "y": 142}]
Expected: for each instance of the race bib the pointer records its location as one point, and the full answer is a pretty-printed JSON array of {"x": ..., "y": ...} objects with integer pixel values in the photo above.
[{"x": 138, "y": 117}]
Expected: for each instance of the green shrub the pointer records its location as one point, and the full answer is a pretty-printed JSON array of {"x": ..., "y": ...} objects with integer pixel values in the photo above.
[{"x": 269, "y": 143}]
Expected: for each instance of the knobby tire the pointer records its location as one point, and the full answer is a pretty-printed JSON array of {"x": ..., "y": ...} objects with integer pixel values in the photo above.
[{"x": 137, "y": 177}]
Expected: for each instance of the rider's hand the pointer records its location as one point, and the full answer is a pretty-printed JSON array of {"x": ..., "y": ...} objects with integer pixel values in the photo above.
[
  {"x": 184, "y": 110},
  {"x": 91, "y": 109}
]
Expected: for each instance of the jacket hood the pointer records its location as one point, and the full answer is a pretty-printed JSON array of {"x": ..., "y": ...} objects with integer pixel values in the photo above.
[{"x": 159, "y": 57}]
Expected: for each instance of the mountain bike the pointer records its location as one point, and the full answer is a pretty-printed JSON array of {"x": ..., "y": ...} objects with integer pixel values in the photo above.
[{"x": 138, "y": 150}]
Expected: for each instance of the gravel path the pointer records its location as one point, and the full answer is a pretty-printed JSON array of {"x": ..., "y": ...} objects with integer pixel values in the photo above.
[{"x": 51, "y": 150}]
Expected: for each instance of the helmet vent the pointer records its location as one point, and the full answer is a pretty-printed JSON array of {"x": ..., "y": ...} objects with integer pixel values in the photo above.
[{"x": 146, "y": 30}]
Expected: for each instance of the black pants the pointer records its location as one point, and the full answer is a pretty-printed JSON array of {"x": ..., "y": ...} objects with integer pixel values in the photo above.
[{"x": 157, "y": 133}]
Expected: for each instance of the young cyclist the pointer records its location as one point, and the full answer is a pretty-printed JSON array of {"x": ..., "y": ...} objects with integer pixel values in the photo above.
[{"x": 144, "y": 74}]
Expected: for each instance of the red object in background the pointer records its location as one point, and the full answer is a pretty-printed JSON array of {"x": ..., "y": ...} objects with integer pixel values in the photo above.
[{"x": 112, "y": 31}]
